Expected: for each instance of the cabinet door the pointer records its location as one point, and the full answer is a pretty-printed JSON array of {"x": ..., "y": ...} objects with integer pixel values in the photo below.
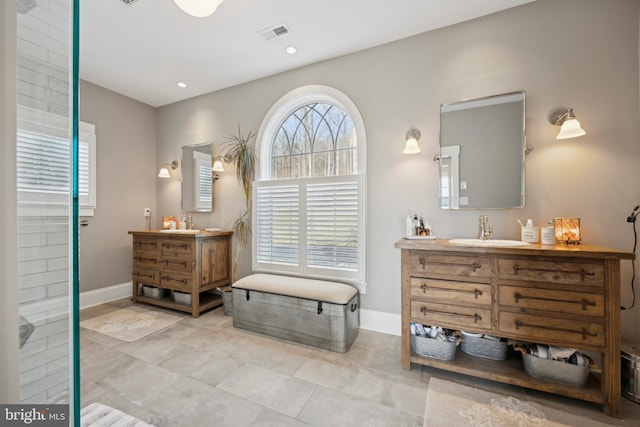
[{"x": 215, "y": 260}]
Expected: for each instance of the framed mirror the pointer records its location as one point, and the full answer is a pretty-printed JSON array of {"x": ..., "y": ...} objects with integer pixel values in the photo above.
[
  {"x": 197, "y": 178},
  {"x": 482, "y": 153}
]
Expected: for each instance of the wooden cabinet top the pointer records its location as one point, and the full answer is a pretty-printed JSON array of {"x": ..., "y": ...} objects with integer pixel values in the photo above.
[
  {"x": 534, "y": 249},
  {"x": 199, "y": 235}
]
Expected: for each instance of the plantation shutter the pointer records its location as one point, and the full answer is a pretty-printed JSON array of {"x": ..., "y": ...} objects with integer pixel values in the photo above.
[
  {"x": 43, "y": 163},
  {"x": 332, "y": 225},
  {"x": 311, "y": 226},
  {"x": 277, "y": 235}
]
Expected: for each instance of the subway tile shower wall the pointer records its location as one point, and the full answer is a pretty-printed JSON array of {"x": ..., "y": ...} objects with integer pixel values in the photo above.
[{"x": 43, "y": 82}]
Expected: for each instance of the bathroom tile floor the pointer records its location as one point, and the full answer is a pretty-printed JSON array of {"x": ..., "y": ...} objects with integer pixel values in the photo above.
[{"x": 205, "y": 372}]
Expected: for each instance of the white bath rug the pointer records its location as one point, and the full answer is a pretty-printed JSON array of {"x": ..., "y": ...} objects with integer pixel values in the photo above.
[
  {"x": 452, "y": 404},
  {"x": 99, "y": 415},
  {"x": 130, "y": 324}
]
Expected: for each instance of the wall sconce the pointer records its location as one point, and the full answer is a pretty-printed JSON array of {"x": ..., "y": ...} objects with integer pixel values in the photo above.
[
  {"x": 164, "y": 170},
  {"x": 411, "y": 146},
  {"x": 570, "y": 126},
  {"x": 198, "y": 8},
  {"x": 217, "y": 167}
]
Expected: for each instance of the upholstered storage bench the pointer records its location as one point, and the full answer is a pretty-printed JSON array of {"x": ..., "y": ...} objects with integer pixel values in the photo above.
[{"x": 314, "y": 312}]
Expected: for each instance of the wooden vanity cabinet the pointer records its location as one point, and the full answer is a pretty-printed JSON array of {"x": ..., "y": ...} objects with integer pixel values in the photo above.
[
  {"x": 191, "y": 263},
  {"x": 564, "y": 295}
]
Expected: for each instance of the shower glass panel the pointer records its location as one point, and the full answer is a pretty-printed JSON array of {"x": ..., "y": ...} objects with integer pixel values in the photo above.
[{"x": 45, "y": 180}]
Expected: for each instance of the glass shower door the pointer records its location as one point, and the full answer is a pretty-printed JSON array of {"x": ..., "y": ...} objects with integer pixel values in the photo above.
[{"x": 47, "y": 215}]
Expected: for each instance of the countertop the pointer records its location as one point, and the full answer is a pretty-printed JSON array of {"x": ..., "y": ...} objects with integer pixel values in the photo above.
[{"x": 559, "y": 249}]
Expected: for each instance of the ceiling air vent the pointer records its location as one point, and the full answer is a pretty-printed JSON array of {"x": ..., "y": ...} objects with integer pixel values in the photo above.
[
  {"x": 274, "y": 31},
  {"x": 127, "y": 2}
]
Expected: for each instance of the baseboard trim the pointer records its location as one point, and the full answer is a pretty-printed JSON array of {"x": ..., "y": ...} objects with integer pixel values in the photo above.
[
  {"x": 379, "y": 321},
  {"x": 371, "y": 320},
  {"x": 103, "y": 295}
]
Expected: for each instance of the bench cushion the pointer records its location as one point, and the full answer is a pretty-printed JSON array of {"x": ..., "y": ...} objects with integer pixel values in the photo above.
[{"x": 318, "y": 290}]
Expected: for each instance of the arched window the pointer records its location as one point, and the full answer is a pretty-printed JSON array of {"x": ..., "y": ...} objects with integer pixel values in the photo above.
[
  {"x": 309, "y": 216},
  {"x": 317, "y": 139}
]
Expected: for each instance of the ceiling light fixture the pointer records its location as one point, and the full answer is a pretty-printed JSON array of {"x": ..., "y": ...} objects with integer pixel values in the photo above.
[
  {"x": 198, "y": 8},
  {"x": 181, "y": 84},
  {"x": 291, "y": 50}
]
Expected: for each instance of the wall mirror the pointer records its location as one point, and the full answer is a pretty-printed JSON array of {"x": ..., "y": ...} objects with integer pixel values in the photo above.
[
  {"x": 482, "y": 152},
  {"x": 197, "y": 179}
]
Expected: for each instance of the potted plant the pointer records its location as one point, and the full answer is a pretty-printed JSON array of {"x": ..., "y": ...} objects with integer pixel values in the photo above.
[{"x": 239, "y": 151}]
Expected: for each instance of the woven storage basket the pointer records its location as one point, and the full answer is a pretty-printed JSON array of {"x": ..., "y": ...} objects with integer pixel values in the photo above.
[
  {"x": 429, "y": 347},
  {"x": 489, "y": 349},
  {"x": 556, "y": 371}
]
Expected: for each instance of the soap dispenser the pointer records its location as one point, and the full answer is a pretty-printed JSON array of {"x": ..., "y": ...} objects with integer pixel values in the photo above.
[{"x": 529, "y": 233}]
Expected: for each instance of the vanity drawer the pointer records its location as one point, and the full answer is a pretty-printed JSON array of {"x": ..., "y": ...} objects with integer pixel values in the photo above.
[
  {"x": 176, "y": 281},
  {"x": 590, "y": 304},
  {"x": 146, "y": 244},
  {"x": 446, "y": 315},
  {"x": 179, "y": 264},
  {"x": 146, "y": 259},
  {"x": 447, "y": 291},
  {"x": 542, "y": 328},
  {"x": 149, "y": 277},
  {"x": 445, "y": 266},
  {"x": 183, "y": 247},
  {"x": 583, "y": 274}
]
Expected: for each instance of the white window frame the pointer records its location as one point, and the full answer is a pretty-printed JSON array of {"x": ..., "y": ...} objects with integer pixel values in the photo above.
[
  {"x": 266, "y": 134},
  {"x": 48, "y": 204}
]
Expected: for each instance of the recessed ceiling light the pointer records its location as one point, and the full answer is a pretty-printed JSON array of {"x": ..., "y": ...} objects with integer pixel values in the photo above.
[
  {"x": 181, "y": 84},
  {"x": 291, "y": 50}
]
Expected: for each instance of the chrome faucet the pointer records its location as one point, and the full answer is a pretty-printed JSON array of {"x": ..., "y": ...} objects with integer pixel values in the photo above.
[{"x": 486, "y": 230}]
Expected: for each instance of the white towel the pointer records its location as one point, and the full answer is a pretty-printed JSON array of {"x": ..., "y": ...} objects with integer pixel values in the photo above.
[{"x": 99, "y": 415}]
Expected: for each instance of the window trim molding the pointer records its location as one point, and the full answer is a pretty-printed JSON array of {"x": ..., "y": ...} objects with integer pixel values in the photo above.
[
  {"x": 271, "y": 123},
  {"x": 291, "y": 102}
]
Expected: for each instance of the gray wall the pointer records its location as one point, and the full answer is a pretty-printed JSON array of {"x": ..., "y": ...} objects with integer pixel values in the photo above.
[
  {"x": 572, "y": 53},
  {"x": 126, "y": 183},
  {"x": 9, "y": 373}
]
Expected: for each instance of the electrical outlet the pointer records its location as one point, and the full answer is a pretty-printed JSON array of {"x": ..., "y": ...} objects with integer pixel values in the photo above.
[{"x": 147, "y": 212}]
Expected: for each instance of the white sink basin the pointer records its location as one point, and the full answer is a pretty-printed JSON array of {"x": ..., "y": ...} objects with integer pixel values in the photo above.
[
  {"x": 181, "y": 231},
  {"x": 490, "y": 243}
]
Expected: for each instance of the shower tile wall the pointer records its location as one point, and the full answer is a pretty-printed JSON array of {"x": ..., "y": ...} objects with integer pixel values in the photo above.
[{"x": 44, "y": 29}]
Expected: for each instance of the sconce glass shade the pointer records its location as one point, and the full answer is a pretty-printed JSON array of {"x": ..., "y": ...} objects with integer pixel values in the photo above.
[
  {"x": 411, "y": 146},
  {"x": 217, "y": 166},
  {"x": 164, "y": 172},
  {"x": 198, "y": 8},
  {"x": 570, "y": 129}
]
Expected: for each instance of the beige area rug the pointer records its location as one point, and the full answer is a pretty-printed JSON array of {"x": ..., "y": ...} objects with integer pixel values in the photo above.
[
  {"x": 99, "y": 415},
  {"x": 130, "y": 324},
  {"x": 450, "y": 404}
]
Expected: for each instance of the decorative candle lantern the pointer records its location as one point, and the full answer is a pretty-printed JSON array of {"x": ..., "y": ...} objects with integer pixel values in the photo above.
[{"x": 567, "y": 230}]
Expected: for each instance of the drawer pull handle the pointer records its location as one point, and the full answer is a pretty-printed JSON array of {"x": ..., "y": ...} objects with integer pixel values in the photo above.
[
  {"x": 148, "y": 276},
  {"x": 475, "y": 266},
  {"x": 182, "y": 263},
  {"x": 142, "y": 259},
  {"x": 475, "y": 292},
  {"x": 174, "y": 245},
  {"x": 476, "y": 317},
  {"x": 582, "y": 272},
  {"x": 584, "y": 332},
  {"x": 584, "y": 302},
  {"x": 183, "y": 281}
]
